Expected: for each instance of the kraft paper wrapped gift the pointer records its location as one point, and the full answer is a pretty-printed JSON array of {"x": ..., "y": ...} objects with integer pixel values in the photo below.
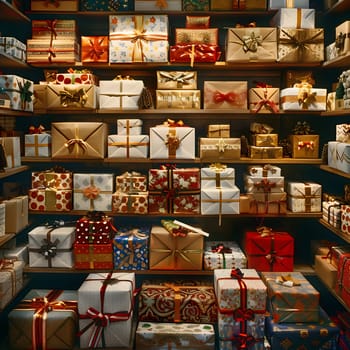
[
  {"x": 342, "y": 35},
  {"x": 304, "y": 146},
  {"x": 54, "y": 6},
  {"x": 133, "y": 202},
  {"x": 257, "y": 152},
  {"x": 178, "y": 99},
  {"x": 240, "y": 289},
  {"x": 223, "y": 255},
  {"x": 130, "y": 248},
  {"x": 151, "y": 5},
  {"x": 219, "y": 130},
  {"x": 50, "y": 199},
  {"x": 219, "y": 149},
  {"x": 174, "y": 80},
  {"x": 326, "y": 271},
  {"x": 16, "y": 214},
  {"x": 269, "y": 251},
  {"x": 55, "y": 29},
  {"x": 120, "y": 94},
  {"x": 294, "y": 301},
  {"x": 293, "y": 99},
  {"x": 94, "y": 48},
  {"x": 267, "y": 203},
  {"x": 264, "y": 170},
  {"x": 298, "y": 18},
  {"x": 159, "y": 336},
  {"x": 131, "y": 182},
  {"x": 129, "y": 126},
  {"x": 195, "y": 5},
  {"x": 225, "y": 94},
  {"x": 127, "y": 146},
  {"x": 332, "y": 212},
  {"x": 256, "y": 184},
  {"x": 177, "y": 301},
  {"x": 83, "y": 140},
  {"x": 339, "y": 156},
  {"x": 251, "y": 44},
  {"x": 11, "y": 280},
  {"x": 58, "y": 178},
  {"x": 19, "y": 90},
  {"x": 12, "y": 150},
  {"x": 300, "y": 45},
  {"x": 39, "y": 98},
  {"x": 51, "y": 246},
  {"x": 127, "y": 45},
  {"x": 112, "y": 295},
  {"x": 264, "y": 100},
  {"x": 13, "y": 47},
  {"x": 71, "y": 96},
  {"x": 277, "y": 4},
  {"x": 167, "y": 142},
  {"x": 37, "y": 145},
  {"x": 57, "y": 307},
  {"x": 169, "y": 252},
  {"x": 93, "y": 191},
  {"x": 209, "y": 36},
  {"x": 217, "y": 176},
  {"x": 304, "y": 196}
]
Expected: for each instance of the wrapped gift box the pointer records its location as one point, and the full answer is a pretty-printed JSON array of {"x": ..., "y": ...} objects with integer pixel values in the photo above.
[
  {"x": 16, "y": 214},
  {"x": 18, "y": 253},
  {"x": 177, "y": 302},
  {"x": 133, "y": 202},
  {"x": 37, "y": 145},
  {"x": 251, "y": 44},
  {"x": 113, "y": 5},
  {"x": 296, "y": 301},
  {"x": 60, "y": 179},
  {"x": 342, "y": 132},
  {"x": 195, "y": 5},
  {"x": 54, "y": 6},
  {"x": 223, "y": 255},
  {"x": 195, "y": 53},
  {"x": 91, "y": 256},
  {"x": 172, "y": 80},
  {"x": 59, "y": 310},
  {"x": 94, "y": 48},
  {"x": 131, "y": 182},
  {"x": 325, "y": 271},
  {"x": 217, "y": 176},
  {"x": 209, "y": 36},
  {"x": 304, "y": 146},
  {"x": 51, "y": 246},
  {"x": 298, "y": 18},
  {"x": 76, "y": 78},
  {"x": 159, "y": 336},
  {"x": 345, "y": 218},
  {"x": 179, "y": 99},
  {"x": 172, "y": 142},
  {"x": 50, "y": 199},
  {"x": 332, "y": 213},
  {"x": 225, "y": 94},
  {"x": 126, "y": 45},
  {"x": 219, "y": 130},
  {"x": 267, "y": 203},
  {"x": 129, "y": 126},
  {"x": 342, "y": 34},
  {"x": 120, "y": 94},
  {"x": 259, "y": 152},
  {"x": 85, "y": 140},
  {"x": 54, "y": 29},
  {"x": 219, "y": 149},
  {"x": 19, "y": 90},
  {"x": 127, "y": 146},
  {"x": 130, "y": 248},
  {"x": 151, "y": 5},
  {"x": 338, "y": 155},
  {"x": 40, "y": 98},
  {"x": 264, "y": 170},
  {"x": 265, "y": 140},
  {"x": 271, "y": 184},
  {"x": 169, "y": 252},
  {"x": 93, "y": 191},
  {"x": 110, "y": 294},
  {"x": 271, "y": 252},
  {"x": 300, "y": 45},
  {"x": 335, "y": 252},
  {"x": 277, "y": 4},
  {"x": 331, "y": 51},
  {"x": 315, "y": 101},
  {"x": 342, "y": 286},
  {"x": 13, "y": 47},
  {"x": 304, "y": 196},
  {"x": 264, "y": 100},
  {"x": 12, "y": 150}
]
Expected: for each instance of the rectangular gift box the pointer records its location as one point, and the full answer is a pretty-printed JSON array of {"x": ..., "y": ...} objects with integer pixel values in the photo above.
[
  {"x": 217, "y": 176},
  {"x": 18, "y": 253},
  {"x": 256, "y": 152},
  {"x": 271, "y": 251},
  {"x": 129, "y": 126},
  {"x": 16, "y": 214},
  {"x": 332, "y": 212},
  {"x": 223, "y": 255},
  {"x": 300, "y": 45},
  {"x": 13, "y": 47},
  {"x": 151, "y": 5},
  {"x": 256, "y": 184},
  {"x": 331, "y": 51},
  {"x": 304, "y": 146},
  {"x": 208, "y": 36},
  {"x": 325, "y": 271},
  {"x": 264, "y": 170},
  {"x": 316, "y": 100},
  {"x": 177, "y": 301},
  {"x": 219, "y": 149},
  {"x": 265, "y": 140},
  {"x": 335, "y": 252},
  {"x": 111, "y": 294},
  {"x": 85, "y": 140},
  {"x": 161, "y": 336},
  {"x": 126, "y": 45},
  {"x": 54, "y": 6},
  {"x": 225, "y": 94},
  {"x": 40, "y": 98},
  {"x": 131, "y": 182},
  {"x": 267, "y": 203},
  {"x": 173, "y": 80},
  {"x": 113, "y": 5},
  {"x": 342, "y": 34},
  {"x": 298, "y": 18},
  {"x": 277, "y": 4},
  {"x": 54, "y": 29},
  {"x": 250, "y": 4},
  {"x": 120, "y": 94},
  {"x": 60, "y": 179},
  {"x": 264, "y": 100},
  {"x": 304, "y": 196},
  {"x": 219, "y": 130},
  {"x": 12, "y": 151},
  {"x": 195, "y": 5},
  {"x": 59, "y": 310},
  {"x": 50, "y": 199},
  {"x": 179, "y": 99},
  {"x": 172, "y": 142},
  {"x": 93, "y": 191},
  {"x": 169, "y": 252},
  {"x": 37, "y": 145},
  {"x": 338, "y": 155},
  {"x": 342, "y": 132},
  {"x": 127, "y": 146},
  {"x": 91, "y": 256},
  {"x": 51, "y": 246},
  {"x": 194, "y": 53},
  {"x": 258, "y": 44},
  {"x": 133, "y": 202},
  {"x": 94, "y": 48},
  {"x": 295, "y": 301}
]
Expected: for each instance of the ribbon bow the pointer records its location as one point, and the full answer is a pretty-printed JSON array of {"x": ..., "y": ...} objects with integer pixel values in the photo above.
[
  {"x": 218, "y": 166},
  {"x": 48, "y": 249},
  {"x": 69, "y": 96},
  {"x": 80, "y": 142},
  {"x": 221, "y": 249},
  {"x": 221, "y": 145},
  {"x": 171, "y": 123},
  {"x": 51, "y": 26},
  {"x": 242, "y": 314},
  {"x": 243, "y": 341},
  {"x": 264, "y": 231},
  {"x": 96, "y": 50},
  {"x": 265, "y": 185},
  {"x": 91, "y": 192},
  {"x": 237, "y": 274},
  {"x": 220, "y": 97},
  {"x": 37, "y": 130},
  {"x": 302, "y": 128},
  {"x": 172, "y": 141},
  {"x": 181, "y": 78},
  {"x": 25, "y": 94},
  {"x": 266, "y": 102},
  {"x": 251, "y": 42},
  {"x": 309, "y": 145}
]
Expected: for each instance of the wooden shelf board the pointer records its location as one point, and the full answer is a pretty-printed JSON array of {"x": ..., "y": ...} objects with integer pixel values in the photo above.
[
  {"x": 336, "y": 231},
  {"x": 11, "y": 62},
  {"x": 340, "y": 6},
  {"x": 7, "y": 237},
  {"x": 338, "y": 113},
  {"x": 12, "y": 113},
  {"x": 334, "y": 171},
  {"x": 338, "y": 62},
  {"x": 10, "y": 13},
  {"x": 13, "y": 171}
]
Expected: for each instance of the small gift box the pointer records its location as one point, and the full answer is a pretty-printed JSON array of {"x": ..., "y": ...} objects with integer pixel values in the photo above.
[
  {"x": 338, "y": 155},
  {"x": 129, "y": 126},
  {"x": 54, "y": 29},
  {"x": 195, "y": 5},
  {"x": 298, "y": 18},
  {"x": 267, "y": 203},
  {"x": 37, "y": 145},
  {"x": 219, "y": 149},
  {"x": 131, "y": 182},
  {"x": 332, "y": 213},
  {"x": 18, "y": 253},
  {"x": 13, "y": 47},
  {"x": 194, "y": 53},
  {"x": 16, "y": 214},
  {"x": 260, "y": 152},
  {"x": 270, "y": 184},
  {"x": 153, "y": 5},
  {"x": 58, "y": 178},
  {"x": 132, "y": 202},
  {"x": 173, "y": 80},
  {"x": 12, "y": 151},
  {"x": 179, "y": 99},
  {"x": 127, "y": 146},
  {"x": 219, "y": 130},
  {"x": 207, "y": 36},
  {"x": 304, "y": 146},
  {"x": 50, "y": 199},
  {"x": 264, "y": 100},
  {"x": 54, "y": 5},
  {"x": 342, "y": 37},
  {"x": 217, "y": 176},
  {"x": 265, "y": 140},
  {"x": 264, "y": 170},
  {"x": 304, "y": 196},
  {"x": 94, "y": 48}
]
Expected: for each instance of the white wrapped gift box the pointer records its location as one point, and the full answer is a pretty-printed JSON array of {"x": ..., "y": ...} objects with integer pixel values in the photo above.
[
  {"x": 256, "y": 184},
  {"x": 304, "y": 196},
  {"x": 217, "y": 176},
  {"x": 290, "y": 100},
  {"x": 129, "y": 126},
  {"x": 127, "y": 146},
  {"x": 294, "y": 18},
  {"x": 37, "y": 145},
  {"x": 339, "y": 156},
  {"x": 12, "y": 149},
  {"x": 220, "y": 201},
  {"x": 264, "y": 170}
]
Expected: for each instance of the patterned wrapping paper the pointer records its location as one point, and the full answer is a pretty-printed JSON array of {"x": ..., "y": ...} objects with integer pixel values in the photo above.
[
  {"x": 264, "y": 170},
  {"x": 256, "y": 152},
  {"x": 12, "y": 150},
  {"x": 290, "y": 304},
  {"x": 76, "y": 78},
  {"x": 195, "y": 5},
  {"x": 54, "y": 29},
  {"x": 13, "y": 47},
  {"x": 304, "y": 146},
  {"x": 344, "y": 219},
  {"x": 177, "y": 301},
  {"x": 169, "y": 252},
  {"x": 94, "y": 48},
  {"x": 127, "y": 146},
  {"x": 256, "y": 184},
  {"x": 127, "y": 45},
  {"x": 16, "y": 213},
  {"x": 111, "y": 295},
  {"x": 304, "y": 196},
  {"x": 217, "y": 176},
  {"x": 332, "y": 213},
  {"x": 277, "y": 4},
  {"x": 267, "y": 203},
  {"x": 342, "y": 132},
  {"x": 209, "y": 36},
  {"x": 264, "y": 100},
  {"x": 325, "y": 271},
  {"x": 273, "y": 252},
  {"x": 131, "y": 247},
  {"x": 342, "y": 32},
  {"x": 179, "y": 99},
  {"x": 173, "y": 80},
  {"x": 315, "y": 101},
  {"x": 91, "y": 256},
  {"x": 342, "y": 287},
  {"x": 129, "y": 126},
  {"x": 223, "y": 255},
  {"x": 298, "y": 18},
  {"x": 219, "y": 149},
  {"x": 106, "y": 5},
  {"x": 38, "y": 145},
  {"x": 61, "y": 180},
  {"x": 339, "y": 156},
  {"x": 54, "y": 6},
  {"x": 50, "y": 199},
  {"x": 159, "y": 336},
  {"x": 60, "y": 326},
  {"x": 131, "y": 182},
  {"x": 220, "y": 201},
  {"x": 336, "y": 252},
  {"x": 300, "y": 45},
  {"x": 219, "y": 130},
  {"x": 152, "y": 5},
  {"x": 195, "y": 53},
  {"x": 51, "y": 246},
  {"x": 133, "y": 202}
]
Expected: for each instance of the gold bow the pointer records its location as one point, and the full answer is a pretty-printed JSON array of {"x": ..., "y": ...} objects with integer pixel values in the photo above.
[
  {"x": 221, "y": 145},
  {"x": 91, "y": 192},
  {"x": 251, "y": 42},
  {"x": 71, "y": 96}
]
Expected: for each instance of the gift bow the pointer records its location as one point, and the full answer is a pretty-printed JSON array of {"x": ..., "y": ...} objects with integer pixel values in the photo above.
[
  {"x": 302, "y": 128},
  {"x": 25, "y": 94},
  {"x": 218, "y": 167},
  {"x": 229, "y": 97},
  {"x": 221, "y": 145},
  {"x": 6, "y": 264},
  {"x": 265, "y": 185},
  {"x": 49, "y": 249},
  {"x": 69, "y": 96},
  {"x": 91, "y": 192},
  {"x": 309, "y": 145},
  {"x": 96, "y": 50},
  {"x": 251, "y": 42},
  {"x": 221, "y": 249},
  {"x": 264, "y": 231},
  {"x": 76, "y": 141},
  {"x": 37, "y": 130},
  {"x": 180, "y": 77}
]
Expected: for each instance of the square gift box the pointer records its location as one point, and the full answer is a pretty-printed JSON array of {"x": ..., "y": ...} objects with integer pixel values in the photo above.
[
  {"x": 37, "y": 145},
  {"x": 304, "y": 146},
  {"x": 94, "y": 48},
  {"x": 50, "y": 199},
  {"x": 132, "y": 202},
  {"x": 264, "y": 170},
  {"x": 219, "y": 149},
  {"x": 54, "y": 6},
  {"x": 131, "y": 182},
  {"x": 304, "y": 197},
  {"x": 217, "y": 176},
  {"x": 16, "y": 213},
  {"x": 293, "y": 99},
  {"x": 264, "y": 100},
  {"x": 173, "y": 80},
  {"x": 267, "y": 203},
  {"x": 178, "y": 99},
  {"x": 12, "y": 149},
  {"x": 127, "y": 146},
  {"x": 129, "y": 126},
  {"x": 219, "y": 130},
  {"x": 298, "y": 18},
  {"x": 332, "y": 212}
]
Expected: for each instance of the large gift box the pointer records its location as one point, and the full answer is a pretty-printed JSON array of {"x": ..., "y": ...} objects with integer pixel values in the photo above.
[
  {"x": 94, "y": 48},
  {"x": 177, "y": 301},
  {"x": 194, "y": 53},
  {"x": 264, "y": 100},
  {"x": 299, "y": 18},
  {"x": 93, "y": 191},
  {"x": 109, "y": 296},
  {"x": 37, "y": 145},
  {"x": 217, "y": 176},
  {"x": 207, "y": 36},
  {"x": 304, "y": 146},
  {"x": 251, "y": 44},
  {"x": 132, "y": 202},
  {"x": 129, "y": 126},
  {"x": 127, "y": 146},
  {"x": 219, "y": 149},
  {"x": 175, "y": 252},
  {"x": 325, "y": 271},
  {"x": 156, "y": 6},
  {"x": 83, "y": 140},
  {"x": 16, "y": 213},
  {"x": 225, "y": 94},
  {"x": 267, "y": 250},
  {"x": 51, "y": 246},
  {"x": 257, "y": 184},
  {"x": 241, "y": 297},
  {"x": 162, "y": 335},
  {"x": 59, "y": 309},
  {"x": 140, "y": 38},
  {"x": 173, "y": 80},
  {"x": 12, "y": 151},
  {"x": 54, "y": 6},
  {"x": 292, "y": 296},
  {"x": 58, "y": 178},
  {"x": 303, "y": 98},
  {"x": 267, "y": 203},
  {"x": 304, "y": 196},
  {"x": 55, "y": 29},
  {"x": 179, "y": 99}
]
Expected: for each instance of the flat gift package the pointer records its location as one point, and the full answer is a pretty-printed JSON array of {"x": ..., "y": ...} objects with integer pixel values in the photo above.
[
  {"x": 299, "y": 18},
  {"x": 194, "y": 53},
  {"x": 178, "y": 99},
  {"x": 58, "y": 178},
  {"x": 208, "y": 36},
  {"x": 219, "y": 130},
  {"x": 50, "y": 199},
  {"x": 257, "y": 184},
  {"x": 304, "y": 196}
]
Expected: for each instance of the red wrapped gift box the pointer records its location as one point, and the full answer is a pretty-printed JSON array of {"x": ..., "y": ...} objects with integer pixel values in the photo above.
[
  {"x": 194, "y": 53},
  {"x": 93, "y": 256},
  {"x": 343, "y": 278},
  {"x": 269, "y": 251}
]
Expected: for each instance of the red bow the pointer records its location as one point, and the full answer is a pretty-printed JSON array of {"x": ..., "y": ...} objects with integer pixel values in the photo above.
[
  {"x": 271, "y": 105},
  {"x": 220, "y": 248},
  {"x": 220, "y": 97},
  {"x": 96, "y": 48},
  {"x": 241, "y": 314},
  {"x": 237, "y": 274},
  {"x": 265, "y": 184}
]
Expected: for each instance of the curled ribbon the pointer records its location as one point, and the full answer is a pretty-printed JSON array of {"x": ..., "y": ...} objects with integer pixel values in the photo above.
[
  {"x": 37, "y": 130},
  {"x": 91, "y": 192},
  {"x": 77, "y": 141}
]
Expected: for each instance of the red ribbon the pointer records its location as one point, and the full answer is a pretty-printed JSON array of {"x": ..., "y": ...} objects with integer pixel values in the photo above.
[
  {"x": 265, "y": 184},
  {"x": 220, "y": 97},
  {"x": 271, "y": 105},
  {"x": 220, "y": 248},
  {"x": 96, "y": 49}
]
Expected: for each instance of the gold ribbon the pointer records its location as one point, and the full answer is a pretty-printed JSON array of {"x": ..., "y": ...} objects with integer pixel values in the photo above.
[
  {"x": 264, "y": 231},
  {"x": 75, "y": 95},
  {"x": 77, "y": 143},
  {"x": 131, "y": 234},
  {"x": 172, "y": 142},
  {"x": 221, "y": 145},
  {"x": 36, "y": 145}
]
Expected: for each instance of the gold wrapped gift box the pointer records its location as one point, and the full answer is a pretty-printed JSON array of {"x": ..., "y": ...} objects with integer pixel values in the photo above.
[
  {"x": 265, "y": 152},
  {"x": 214, "y": 149},
  {"x": 174, "y": 80},
  {"x": 304, "y": 146},
  {"x": 179, "y": 99},
  {"x": 265, "y": 140}
]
